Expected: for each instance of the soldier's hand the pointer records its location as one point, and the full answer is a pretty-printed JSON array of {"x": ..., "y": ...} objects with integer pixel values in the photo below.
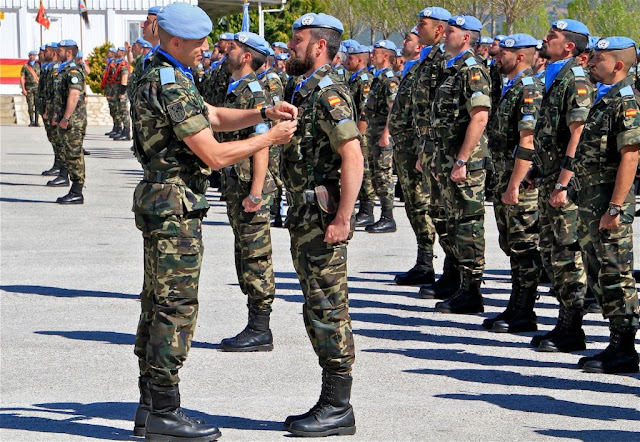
[
  {"x": 510, "y": 197},
  {"x": 64, "y": 124},
  {"x": 608, "y": 222},
  {"x": 458, "y": 173},
  {"x": 250, "y": 206},
  {"x": 558, "y": 198},
  {"x": 282, "y": 111},
  {"x": 418, "y": 165},
  {"x": 384, "y": 141},
  {"x": 53, "y": 121},
  {"x": 24, "y": 92},
  {"x": 282, "y": 132},
  {"x": 337, "y": 231}
]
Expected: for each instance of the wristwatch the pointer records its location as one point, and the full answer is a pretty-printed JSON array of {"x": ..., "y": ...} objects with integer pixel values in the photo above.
[
  {"x": 614, "y": 210},
  {"x": 64, "y": 119},
  {"x": 461, "y": 163},
  {"x": 559, "y": 186},
  {"x": 254, "y": 199},
  {"x": 263, "y": 114}
]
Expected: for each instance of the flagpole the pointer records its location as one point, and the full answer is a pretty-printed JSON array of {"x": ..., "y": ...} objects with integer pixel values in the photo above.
[{"x": 81, "y": 33}]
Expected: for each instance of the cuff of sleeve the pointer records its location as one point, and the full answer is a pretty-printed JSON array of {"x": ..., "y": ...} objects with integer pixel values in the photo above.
[
  {"x": 343, "y": 132},
  {"x": 479, "y": 101},
  {"x": 79, "y": 87},
  {"x": 526, "y": 125},
  {"x": 578, "y": 115},
  {"x": 628, "y": 138},
  {"x": 190, "y": 126}
]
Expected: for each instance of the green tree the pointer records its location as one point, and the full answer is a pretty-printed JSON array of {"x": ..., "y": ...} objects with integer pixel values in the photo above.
[
  {"x": 535, "y": 23},
  {"x": 97, "y": 61},
  {"x": 607, "y": 18},
  {"x": 513, "y": 10}
]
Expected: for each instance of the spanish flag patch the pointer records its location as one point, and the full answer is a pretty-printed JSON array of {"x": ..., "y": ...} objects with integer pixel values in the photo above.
[
  {"x": 631, "y": 113},
  {"x": 582, "y": 91},
  {"x": 528, "y": 100},
  {"x": 475, "y": 77},
  {"x": 334, "y": 100},
  {"x": 259, "y": 106}
]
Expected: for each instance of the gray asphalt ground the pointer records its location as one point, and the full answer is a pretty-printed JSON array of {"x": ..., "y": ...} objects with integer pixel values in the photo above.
[{"x": 69, "y": 287}]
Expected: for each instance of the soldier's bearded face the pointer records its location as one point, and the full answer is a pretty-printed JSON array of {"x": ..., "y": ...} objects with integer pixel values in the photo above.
[
  {"x": 553, "y": 46},
  {"x": 299, "y": 65},
  {"x": 234, "y": 57},
  {"x": 507, "y": 61},
  {"x": 426, "y": 31},
  {"x": 601, "y": 66}
]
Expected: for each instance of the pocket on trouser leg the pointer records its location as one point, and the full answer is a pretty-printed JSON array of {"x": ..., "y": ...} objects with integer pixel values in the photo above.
[{"x": 619, "y": 294}]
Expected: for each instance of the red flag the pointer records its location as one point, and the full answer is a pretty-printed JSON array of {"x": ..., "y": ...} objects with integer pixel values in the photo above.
[{"x": 42, "y": 18}]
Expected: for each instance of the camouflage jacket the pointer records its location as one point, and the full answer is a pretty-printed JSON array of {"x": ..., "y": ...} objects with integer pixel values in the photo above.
[
  {"x": 400, "y": 116},
  {"x": 215, "y": 89},
  {"x": 41, "y": 102},
  {"x": 496, "y": 85},
  {"x": 613, "y": 123},
  {"x": 427, "y": 79},
  {"x": 198, "y": 78},
  {"x": 121, "y": 68},
  {"x": 383, "y": 91},
  {"x": 134, "y": 75},
  {"x": 49, "y": 92},
  {"x": 566, "y": 101},
  {"x": 248, "y": 94},
  {"x": 341, "y": 73},
  {"x": 326, "y": 120},
  {"x": 517, "y": 110},
  {"x": 71, "y": 76},
  {"x": 272, "y": 84},
  {"x": 284, "y": 77},
  {"x": 359, "y": 86},
  {"x": 466, "y": 85},
  {"x": 166, "y": 108},
  {"x": 31, "y": 81}
]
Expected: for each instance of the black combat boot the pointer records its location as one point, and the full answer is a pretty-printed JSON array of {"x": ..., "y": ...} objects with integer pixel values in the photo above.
[
  {"x": 31, "y": 122},
  {"x": 446, "y": 286},
  {"x": 167, "y": 421},
  {"x": 515, "y": 292},
  {"x": 74, "y": 196},
  {"x": 144, "y": 406},
  {"x": 125, "y": 135},
  {"x": 85, "y": 152},
  {"x": 521, "y": 318},
  {"x": 112, "y": 131},
  {"x": 364, "y": 217},
  {"x": 332, "y": 415},
  {"x": 36, "y": 121},
  {"x": 421, "y": 273},
  {"x": 256, "y": 336},
  {"x": 117, "y": 131},
  {"x": 619, "y": 357},
  {"x": 386, "y": 223},
  {"x": 466, "y": 300},
  {"x": 62, "y": 180},
  {"x": 55, "y": 169},
  {"x": 567, "y": 336}
]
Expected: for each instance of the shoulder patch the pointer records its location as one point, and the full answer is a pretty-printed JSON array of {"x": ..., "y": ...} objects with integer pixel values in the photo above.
[
  {"x": 271, "y": 76},
  {"x": 74, "y": 80},
  {"x": 578, "y": 71},
  {"x": 471, "y": 61},
  {"x": 364, "y": 77},
  {"x": 255, "y": 87},
  {"x": 527, "y": 81},
  {"x": 176, "y": 112},
  {"x": 390, "y": 73},
  {"x": 626, "y": 91},
  {"x": 167, "y": 76},
  {"x": 325, "y": 82}
]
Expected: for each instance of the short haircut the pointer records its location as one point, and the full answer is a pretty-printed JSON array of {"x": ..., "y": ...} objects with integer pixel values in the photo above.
[
  {"x": 331, "y": 36},
  {"x": 626, "y": 56},
  {"x": 474, "y": 36},
  {"x": 579, "y": 40},
  {"x": 164, "y": 36},
  {"x": 257, "y": 59}
]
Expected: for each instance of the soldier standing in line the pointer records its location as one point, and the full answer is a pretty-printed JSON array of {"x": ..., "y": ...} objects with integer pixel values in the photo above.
[
  {"x": 46, "y": 60},
  {"x": 322, "y": 171},
  {"x": 539, "y": 64},
  {"x": 432, "y": 23},
  {"x": 201, "y": 69},
  {"x": 250, "y": 191},
  {"x": 216, "y": 88},
  {"x": 360, "y": 86},
  {"x": 565, "y": 105},
  {"x": 605, "y": 166},
  {"x": 384, "y": 87},
  {"x": 516, "y": 204},
  {"x": 121, "y": 80},
  {"x": 413, "y": 182},
  {"x": 281, "y": 67},
  {"x": 338, "y": 63},
  {"x": 150, "y": 34},
  {"x": 175, "y": 145},
  {"x": 70, "y": 116},
  {"x": 107, "y": 86},
  {"x": 460, "y": 114},
  {"x": 29, "y": 80}
]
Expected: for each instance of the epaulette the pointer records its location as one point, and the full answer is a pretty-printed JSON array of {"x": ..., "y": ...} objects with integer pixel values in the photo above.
[
  {"x": 471, "y": 61},
  {"x": 271, "y": 75},
  {"x": 325, "y": 82},
  {"x": 626, "y": 91},
  {"x": 364, "y": 77},
  {"x": 72, "y": 64},
  {"x": 255, "y": 87},
  {"x": 578, "y": 71},
  {"x": 527, "y": 81},
  {"x": 390, "y": 73},
  {"x": 167, "y": 76}
]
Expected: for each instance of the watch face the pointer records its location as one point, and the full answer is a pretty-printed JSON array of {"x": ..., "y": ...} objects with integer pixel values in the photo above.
[{"x": 614, "y": 211}]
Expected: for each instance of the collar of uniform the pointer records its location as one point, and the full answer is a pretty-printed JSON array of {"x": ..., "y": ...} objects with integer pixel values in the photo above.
[
  {"x": 381, "y": 71},
  {"x": 457, "y": 60},
  {"x": 242, "y": 83},
  {"x": 309, "y": 84},
  {"x": 527, "y": 72},
  {"x": 615, "y": 89},
  {"x": 64, "y": 65},
  {"x": 568, "y": 64},
  {"x": 408, "y": 65}
]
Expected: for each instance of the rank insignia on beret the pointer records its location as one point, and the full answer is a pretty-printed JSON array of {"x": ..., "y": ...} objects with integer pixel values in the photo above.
[
  {"x": 334, "y": 100},
  {"x": 630, "y": 113},
  {"x": 306, "y": 21},
  {"x": 562, "y": 25},
  {"x": 603, "y": 44},
  {"x": 176, "y": 112},
  {"x": 582, "y": 91}
]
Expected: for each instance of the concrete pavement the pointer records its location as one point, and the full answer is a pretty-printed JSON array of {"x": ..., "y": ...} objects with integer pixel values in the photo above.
[{"x": 69, "y": 282}]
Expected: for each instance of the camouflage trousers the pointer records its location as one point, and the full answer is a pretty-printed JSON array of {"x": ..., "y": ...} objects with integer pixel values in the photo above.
[
  {"x": 252, "y": 245},
  {"x": 416, "y": 196},
  {"x": 72, "y": 139},
  {"x": 559, "y": 232},
  {"x": 32, "y": 93},
  {"x": 275, "y": 156},
  {"x": 122, "y": 111},
  {"x": 519, "y": 232},
  {"x": 169, "y": 299},
  {"x": 366, "y": 190},
  {"x": 614, "y": 286},
  {"x": 381, "y": 167},
  {"x": 111, "y": 101},
  {"x": 54, "y": 139},
  {"x": 322, "y": 272},
  {"x": 464, "y": 210}
]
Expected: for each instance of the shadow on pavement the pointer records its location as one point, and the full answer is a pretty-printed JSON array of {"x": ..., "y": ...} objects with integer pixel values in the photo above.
[
  {"x": 414, "y": 335},
  {"x": 110, "y": 337},
  {"x": 592, "y": 435},
  {"x": 59, "y": 292},
  {"x": 20, "y": 200}
]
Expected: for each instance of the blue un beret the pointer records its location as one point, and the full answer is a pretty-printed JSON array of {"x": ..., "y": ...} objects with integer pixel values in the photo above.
[
  {"x": 414, "y": 30},
  {"x": 517, "y": 41},
  {"x": 467, "y": 22},
  {"x": 358, "y": 49},
  {"x": 53, "y": 44},
  {"x": 593, "y": 40},
  {"x": 122, "y": 48},
  {"x": 112, "y": 49},
  {"x": 227, "y": 36},
  {"x": 254, "y": 41},
  {"x": 271, "y": 53},
  {"x": 280, "y": 45},
  {"x": 79, "y": 54},
  {"x": 67, "y": 43},
  {"x": 33, "y": 52},
  {"x": 146, "y": 44},
  {"x": 343, "y": 49},
  {"x": 500, "y": 37},
  {"x": 348, "y": 43},
  {"x": 485, "y": 41},
  {"x": 43, "y": 47},
  {"x": 435, "y": 13},
  {"x": 206, "y": 54},
  {"x": 283, "y": 56},
  {"x": 321, "y": 20},
  {"x": 571, "y": 25},
  {"x": 154, "y": 10},
  {"x": 539, "y": 45},
  {"x": 184, "y": 21},
  {"x": 614, "y": 44},
  {"x": 385, "y": 44}
]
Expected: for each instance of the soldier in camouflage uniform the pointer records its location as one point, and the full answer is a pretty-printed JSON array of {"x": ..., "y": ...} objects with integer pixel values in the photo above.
[
  {"x": 280, "y": 65},
  {"x": 121, "y": 79},
  {"x": 29, "y": 80},
  {"x": 405, "y": 156},
  {"x": 69, "y": 115},
  {"x": 338, "y": 64},
  {"x": 360, "y": 86},
  {"x": 605, "y": 166},
  {"x": 510, "y": 134},
  {"x": 250, "y": 192},
  {"x": 384, "y": 87},
  {"x": 47, "y": 60},
  {"x": 460, "y": 113},
  {"x": 432, "y": 22},
  {"x": 565, "y": 105},
  {"x": 322, "y": 171},
  {"x": 174, "y": 143},
  {"x": 107, "y": 86},
  {"x": 215, "y": 90}
]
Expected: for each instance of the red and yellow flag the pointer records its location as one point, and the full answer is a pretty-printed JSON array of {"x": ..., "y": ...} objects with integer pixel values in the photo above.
[{"x": 42, "y": 18}]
